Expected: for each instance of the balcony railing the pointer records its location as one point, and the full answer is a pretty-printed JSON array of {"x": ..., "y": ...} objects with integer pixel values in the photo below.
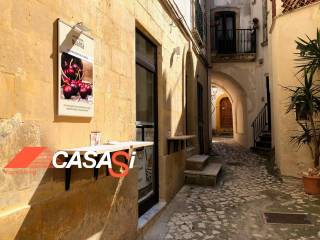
[{"x": 233, "y": 41}]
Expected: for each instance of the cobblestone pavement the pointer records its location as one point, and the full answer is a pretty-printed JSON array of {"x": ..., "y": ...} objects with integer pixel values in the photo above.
[{"x": 234, "y": 209}]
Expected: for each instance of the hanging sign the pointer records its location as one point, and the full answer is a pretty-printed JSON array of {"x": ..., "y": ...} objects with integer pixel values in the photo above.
[{"x": 75, "y": 72}]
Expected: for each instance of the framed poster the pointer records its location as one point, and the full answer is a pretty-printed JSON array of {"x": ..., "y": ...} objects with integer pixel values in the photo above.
[{"x": 75, "y": 72}]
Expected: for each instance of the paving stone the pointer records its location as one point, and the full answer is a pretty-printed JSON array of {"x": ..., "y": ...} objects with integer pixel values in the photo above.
[
  {"x": 215, "y": 232},
  {"x": 233, "y": 209},
  {"x": 168, "y": 236},
  {"x": 201, "y": 225}
]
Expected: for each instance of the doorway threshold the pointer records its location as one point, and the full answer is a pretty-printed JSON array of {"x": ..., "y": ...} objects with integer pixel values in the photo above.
[{"x": 147, "y": 219}]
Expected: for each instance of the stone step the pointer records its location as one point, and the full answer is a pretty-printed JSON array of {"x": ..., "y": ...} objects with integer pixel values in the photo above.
[
  {"x": 264, "y": 144},
  {"x": 149, "y": 218},
  {"x": 189, "y": 151},
  {"x": 261, "y": 149},
  {"x": 206, "y": 177},
  {"x": 265, "y": 152},
  {"x": 196, "y": 162},
  {"x": 265, "y": 138},
  {"x": 268, "y": 133}
]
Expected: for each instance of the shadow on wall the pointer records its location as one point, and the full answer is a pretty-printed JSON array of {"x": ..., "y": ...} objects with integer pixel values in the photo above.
[
  {"x": 35, "y": 205},
  {"x": 178, "y": 116},
  {"x": 191, "y": 79},
  {"x": 187, "y": 121},
  {"x": 40, "y": 208},
  {"x": 238, "y": 98},
  {"x": 91, "y": 208}
]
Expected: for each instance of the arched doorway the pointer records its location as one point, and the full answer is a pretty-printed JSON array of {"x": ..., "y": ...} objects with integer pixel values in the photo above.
[
  {"x": 226, "y": 113},
  {"x": 222, "y": 112}
]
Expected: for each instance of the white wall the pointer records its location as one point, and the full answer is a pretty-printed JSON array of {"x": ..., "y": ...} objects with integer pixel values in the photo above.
[
  {"x": 185, "y": 9},
  {"x": 242, "y": 5}
]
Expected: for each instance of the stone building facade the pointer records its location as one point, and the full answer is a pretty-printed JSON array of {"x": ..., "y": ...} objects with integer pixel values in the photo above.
[
  {"x": 254, "y": 80},
  {"x": 36, "y": 206},
  {"x": 239, "y": 60}
]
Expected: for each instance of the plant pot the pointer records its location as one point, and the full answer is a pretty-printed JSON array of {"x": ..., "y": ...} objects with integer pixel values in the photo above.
[{"x": 311, "y": 185}]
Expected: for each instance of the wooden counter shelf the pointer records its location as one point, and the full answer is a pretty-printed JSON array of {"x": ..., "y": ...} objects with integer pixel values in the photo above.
[
  {"x": 112, "y": 146},
  {"x": 178, "y": 140}
]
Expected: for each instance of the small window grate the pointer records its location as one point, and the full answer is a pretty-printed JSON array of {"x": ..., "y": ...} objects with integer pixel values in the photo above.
[{"x": 287, "y": 218}]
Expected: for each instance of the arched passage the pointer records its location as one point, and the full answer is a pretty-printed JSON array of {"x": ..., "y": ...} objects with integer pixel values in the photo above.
[{"x": 238, "y": 99}]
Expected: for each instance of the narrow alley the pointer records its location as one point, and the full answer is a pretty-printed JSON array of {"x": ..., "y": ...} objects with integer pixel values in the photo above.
[
  {"x": 145, "y": 120},
  {"x": 235, "y": 208}
]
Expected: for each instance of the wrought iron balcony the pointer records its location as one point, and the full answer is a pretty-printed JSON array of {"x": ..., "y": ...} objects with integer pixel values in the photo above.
[{"x": 233, "y": 45}]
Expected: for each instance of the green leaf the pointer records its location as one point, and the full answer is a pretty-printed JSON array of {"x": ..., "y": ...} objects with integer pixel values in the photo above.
[{"x": 308, "y": 53}]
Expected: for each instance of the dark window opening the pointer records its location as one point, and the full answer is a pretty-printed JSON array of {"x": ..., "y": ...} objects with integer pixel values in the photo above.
[
  {"x": 225, "y": 32},
  {"x": 227, "y": 39},
  {"x": 301, "y": 113},
  {"x": 146, "y": 122}
]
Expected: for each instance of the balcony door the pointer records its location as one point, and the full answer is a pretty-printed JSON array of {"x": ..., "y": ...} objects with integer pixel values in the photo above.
[
  {"x": 146, "y": 122},
  {"x": 225, "y": 32}
]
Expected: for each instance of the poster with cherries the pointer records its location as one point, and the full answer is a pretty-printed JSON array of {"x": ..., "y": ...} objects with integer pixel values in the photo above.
[{"x": 75, "y": 72}]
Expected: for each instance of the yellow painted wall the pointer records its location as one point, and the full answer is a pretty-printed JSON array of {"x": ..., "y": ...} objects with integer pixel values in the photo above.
[{"x": 285, "y": 30}]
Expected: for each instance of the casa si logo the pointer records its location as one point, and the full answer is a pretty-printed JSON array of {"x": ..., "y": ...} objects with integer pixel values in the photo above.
[{"x": 31, "y": 158}]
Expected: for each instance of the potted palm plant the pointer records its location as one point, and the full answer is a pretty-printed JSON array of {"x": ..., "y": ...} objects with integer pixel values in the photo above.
[{"x": 305, "y": 101}]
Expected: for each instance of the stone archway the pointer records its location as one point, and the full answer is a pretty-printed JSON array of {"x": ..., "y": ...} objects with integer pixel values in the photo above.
[{"x": 238, "y": 99}]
